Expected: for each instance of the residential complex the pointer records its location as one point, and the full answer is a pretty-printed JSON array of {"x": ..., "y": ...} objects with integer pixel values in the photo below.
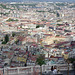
[{"x": 30, "y": 29}]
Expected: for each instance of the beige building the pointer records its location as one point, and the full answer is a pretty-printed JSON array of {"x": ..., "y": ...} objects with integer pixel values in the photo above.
[{"x": 51, "y": 39}]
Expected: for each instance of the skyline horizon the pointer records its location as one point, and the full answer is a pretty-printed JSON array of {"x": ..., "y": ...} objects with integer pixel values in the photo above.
[{"x": 37, "y": 1}]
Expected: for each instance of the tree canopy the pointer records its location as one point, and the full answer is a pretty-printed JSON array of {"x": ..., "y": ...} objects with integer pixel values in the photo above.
[
  {"x": 13, "y": 34},
  {"x": 40, "y": 60},
  {"x": 37, "y": 26},
  {"x": 71, "y": 60},
  {"x": 6, "y": 38}
]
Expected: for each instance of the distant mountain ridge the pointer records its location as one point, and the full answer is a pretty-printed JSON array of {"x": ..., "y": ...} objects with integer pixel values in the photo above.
[{"x": 37, "y": 0}]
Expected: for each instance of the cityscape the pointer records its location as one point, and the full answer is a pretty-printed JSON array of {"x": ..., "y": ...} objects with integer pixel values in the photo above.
[{"x": 34, "y": 36}]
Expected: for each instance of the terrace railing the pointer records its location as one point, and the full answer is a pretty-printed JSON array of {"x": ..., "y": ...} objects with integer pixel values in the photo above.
[{"x": 32, "y": 70}]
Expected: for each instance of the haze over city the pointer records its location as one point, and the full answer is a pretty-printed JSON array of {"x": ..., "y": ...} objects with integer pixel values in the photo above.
[
  {"x": 37, "y": 37},
  {"x": 38, "y": 0}
]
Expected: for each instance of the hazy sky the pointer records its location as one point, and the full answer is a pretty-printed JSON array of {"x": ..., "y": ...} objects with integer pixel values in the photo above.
[{"x": 43, "y": 0}]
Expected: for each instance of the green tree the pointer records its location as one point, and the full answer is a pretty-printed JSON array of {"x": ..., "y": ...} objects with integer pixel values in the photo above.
[
  {"x": 16, "y": 41},
  {"x": 40, "y": 61},
  {"x": 57, "y": 35},
  {"x": 37, "y": 26},
  {"x": 13, "y": 34},
  {"x": 3, "y": 42},
  {"x": 6, "y": 38},
  {"x": 10, "y": 19},
  {"x": 71, "y": 59}
]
